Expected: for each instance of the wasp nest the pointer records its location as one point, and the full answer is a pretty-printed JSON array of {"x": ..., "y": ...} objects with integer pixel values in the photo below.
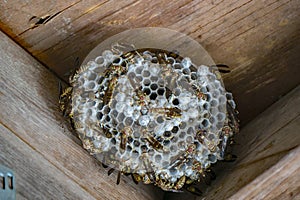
[{"x": 152, "y": 114}]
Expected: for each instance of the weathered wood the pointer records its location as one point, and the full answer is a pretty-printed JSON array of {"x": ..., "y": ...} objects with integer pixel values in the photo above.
[
  {"x": 36, "y": 178},
  {"x": 258, "y": 39},
  {"x": 29, "y": 109},
  {"x": 280, "y": 181},
  {"x": 261, "y": 144}
]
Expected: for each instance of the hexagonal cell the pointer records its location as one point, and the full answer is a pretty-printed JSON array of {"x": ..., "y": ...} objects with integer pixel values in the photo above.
[
  {"x": 138, "y": 70},
  {"x": 99, "y": 60},
  {"x": 190, "y": 131},
  {"x": 120, "y": 126},
  {"x": 175, "y": 102},
  {"x": 186, "y": 71},
  {"x": 161, "y": 83},
  {"x": 128, "y": 121},
  {"x": 173, "y": 148},
  {"x": 146, "y": 82},
  {"x": 153, "y": 86},
  {"x": 167, "y": 134},
  {"x": 214, "y": 103},
  {"x": 160, "y": 119},
  {"x": 177, "y": 66},
  {"x": 147, "y": 91},
  {"x": 131, "y": 75},
  {"x": 146, "y": 73},
  {"x": 99, "y": 115},
  {"x": 154, "y": 78},
  {"x": 175, "y": 129},
  {"x": 153, "y": 96},
  {"x": 121, "y": 117},
  {"x": 117, "y": 60},
  {"x": 182, "y": 134},
  {"x": 114, "y": 113},
  {"x": 158, "y": 158},
  {"x": 182, "y": 125},
  {"x": 139, "y": 78},
  {"x": 205, "y": 123},
  {"x": 161, "y": 91},
  {"x": 177, "y": 92}
]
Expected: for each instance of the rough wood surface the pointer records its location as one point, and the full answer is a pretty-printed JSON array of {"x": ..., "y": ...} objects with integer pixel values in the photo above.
[
  {"x": 36, "y": 178},
  {"x": 258, "y": 39},
  {"x": 35, "y": 143},
  {"x": 260, "y": 145},
  {"x": 280, "y": 181}
]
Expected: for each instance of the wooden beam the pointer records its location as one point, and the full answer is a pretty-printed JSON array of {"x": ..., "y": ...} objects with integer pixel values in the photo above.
[
  {"x": 279, "y": 182},
  {"x": 36, "y": 177},
  {"x": 29, "y": 113},
  {"x": 258, "y": 39},
  {"x": 261, "y": 144}
]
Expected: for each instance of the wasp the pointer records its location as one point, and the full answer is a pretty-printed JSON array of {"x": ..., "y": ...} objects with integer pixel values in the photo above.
[
  {"x": 109, "y": 92},
  {"x": 125, "y": 133},
  {"x": 136, "y": 178},
  {"x": 198, "y": 93},
  {"x": 191, "y": 149},
  {"x": 116, "y": 70},
  {"x": 180, "y": 183},
  {"x": 168, "y": 112},
  {"x": 154, "y": 143},
  {"x": 107, "y": 133},
  {"x": 162, "y": 58},
  {"x": 200, "y": 135},
  {"x": 65, "y": 100},
  {"x": 141, "y": 97}
]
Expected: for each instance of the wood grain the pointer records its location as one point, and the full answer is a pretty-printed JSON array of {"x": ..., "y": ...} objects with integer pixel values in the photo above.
[
  {"x": 258, "y": 39},
  {"x": 280, "y": 181},
  {"x": 29, "y": 109},
  {"x": 36, "y": 178},
  {"x": 260, "y": 145}
]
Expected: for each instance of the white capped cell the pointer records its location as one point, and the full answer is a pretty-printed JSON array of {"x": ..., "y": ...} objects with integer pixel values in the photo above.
[{"x": 144, "y": 120}]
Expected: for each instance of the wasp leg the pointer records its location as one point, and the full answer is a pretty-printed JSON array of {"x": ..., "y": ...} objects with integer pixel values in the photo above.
[{"x": 192, "y": 189}]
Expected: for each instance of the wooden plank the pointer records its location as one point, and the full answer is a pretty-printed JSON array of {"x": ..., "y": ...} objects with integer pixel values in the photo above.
[
  {"x": 258, "y": 39},
  {"x": 280, "y": 181},
  {"x": 29, "y": 109},
  {"x": 261, "y": 144},
  {"x": 35, "y": 177}
]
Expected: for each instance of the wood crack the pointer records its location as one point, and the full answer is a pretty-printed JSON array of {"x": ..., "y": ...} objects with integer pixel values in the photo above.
[{"x": 44, "y": 19}]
